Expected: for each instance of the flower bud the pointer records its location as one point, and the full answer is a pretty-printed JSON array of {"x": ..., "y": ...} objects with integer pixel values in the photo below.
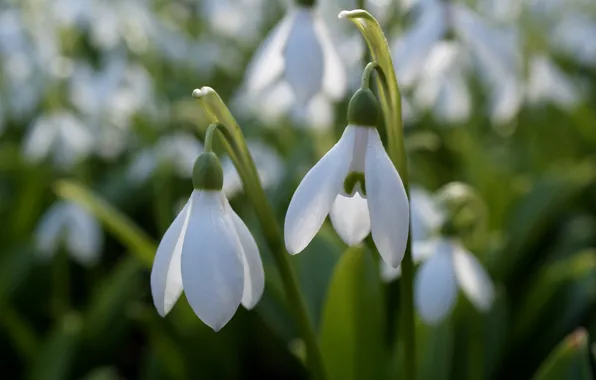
[
  {"x": 207, "y": 173},
  {"x": 464, "y": 210},
  {"x": 364, "y": 109}
]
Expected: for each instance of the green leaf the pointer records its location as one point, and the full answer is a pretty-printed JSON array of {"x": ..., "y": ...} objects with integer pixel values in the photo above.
[
  {"x": 552, "y": 278},
  {"x": 569, "y": 360},
  {"x": 352, "y": 330},
  {"x": 435, "y": 350},
  {"x": 536, "y": 210},
  {"x": 108, "y": 305},
  {"x": 54, "y": 360},
  {"x": 133, "y": 237}
]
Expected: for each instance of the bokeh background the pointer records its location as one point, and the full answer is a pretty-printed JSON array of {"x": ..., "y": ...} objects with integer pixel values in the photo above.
[{"x": 98, "y": 134}]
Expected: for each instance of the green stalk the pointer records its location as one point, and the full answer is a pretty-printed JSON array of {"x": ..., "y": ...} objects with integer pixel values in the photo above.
[
  {"x": 235, "y": 144},
  {"x": 390, "y": 99}
]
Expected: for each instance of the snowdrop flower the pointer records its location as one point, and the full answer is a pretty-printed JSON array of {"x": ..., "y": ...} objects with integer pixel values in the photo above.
[
  {"x": 450, "y": 267},
  {"x": 69, "y": 224},
  {"x": 356, "y": 182},
  {"x": 60, "y": 135},
  {"x": 298, "y": 55},
  {"x": 426, "y": 220},
  {"x": 495, "y": 52},
  {"x": 209, "y": 253},
  {"x": 547, "y": 83},
  {"x": 178, "y": 151}
]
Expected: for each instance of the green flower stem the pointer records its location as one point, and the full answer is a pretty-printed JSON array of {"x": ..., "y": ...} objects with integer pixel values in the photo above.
[
  {"x": 235, "y": 144},
  {"x": 209, "y": 137},
  {"x": 390, "y": 99},
  {"x": 366, "y": 74},
  {"x": 61, "y": 283}
]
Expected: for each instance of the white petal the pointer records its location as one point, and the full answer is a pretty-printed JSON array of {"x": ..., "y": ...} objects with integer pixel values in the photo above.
[
  {"x": 304, "y": 57},
  {"x": 421, "y": 250},
  {"x": 426, "y": 214},
  {"x": 83, "y": 238},
  {"x": 268, "y": 62},
  {"x": 435, "y": 287},
  {"x": 254, "y": 276},
  {"x": 166, "y": 276},
  {"x": 50, "y": 229},
  {"x": 350, "y": 218},
  {"x": 212, "y": 270},
  {"x": 389, "y": 273},
  {"x": 315, "y": 195},
  {"x": 411, "y": 51},
  {"x": 387, "y": 202},
  {"x": 473, "y": 279},
  {"x": 334, "y": 76}
]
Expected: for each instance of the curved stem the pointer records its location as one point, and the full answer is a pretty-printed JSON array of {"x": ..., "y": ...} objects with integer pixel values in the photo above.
[
  {"x": 209, "y": 137},
  {"x": 236, "y": 146},
  {"x": 367, "y": 73}
]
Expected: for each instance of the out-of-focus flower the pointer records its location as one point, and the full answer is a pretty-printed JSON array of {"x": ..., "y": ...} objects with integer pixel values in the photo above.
[
  {"x": 109, "y": 98},
  {"x": 450, "y": 267},
  {"x": 440, "y": 71},
  {"x": 68, "y": 225},
  {"x": 357, "y": 182},
  {"x": 59, "y": 136},
  {"x": 210, "y": 254},
  {"x": 178, "y": 151},
  {"x": 297, "y": 58},
  {"x": 547, "y": 83},
  {"x": 426, "y": 220}
]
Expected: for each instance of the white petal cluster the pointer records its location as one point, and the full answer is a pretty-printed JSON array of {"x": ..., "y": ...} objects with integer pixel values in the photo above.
[
  {"x": 297, "y": 68},
  {"x": 451, "y": 267},
  {"x": 60, "y": 137},
  {"x": 377, "y": 205},
  {"x": 424, "y": 59},
  {"x": 70, "y": 226},
  {"x": 210, "y": 254}
]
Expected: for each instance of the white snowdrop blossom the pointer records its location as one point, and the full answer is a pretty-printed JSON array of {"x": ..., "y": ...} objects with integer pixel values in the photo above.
[
  {"x": 59, "y": 136},
  {"x": 439, "y": 70},
  {"x": 547, "y": 83},
  {"x": 426, "y": 220},
  {"x": 210, "y": 254},
  {"x": 68, "y": 225},
  {"x": 357, "y": 183},
  {"x": 299, "y": 60},
  {"x": 178, "y": 151},
  {"x": 450, "y": 267}
]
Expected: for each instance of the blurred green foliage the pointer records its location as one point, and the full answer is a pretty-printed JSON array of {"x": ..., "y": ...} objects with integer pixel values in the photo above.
[{"x": 536, "y": 176}]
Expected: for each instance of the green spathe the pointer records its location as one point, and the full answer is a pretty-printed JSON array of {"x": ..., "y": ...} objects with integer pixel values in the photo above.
[
  {"x": 364, "y": 109},
  {"x": 207, "y": 173}
]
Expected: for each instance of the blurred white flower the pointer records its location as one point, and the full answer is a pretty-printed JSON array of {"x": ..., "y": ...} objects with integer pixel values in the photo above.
[
  {"x": 59, "y": 136},
  {"x": 69, "y": 226},
  {"x": 426, "y": 220},
  {"x": 356, "y": 182},
  {"x": 177, "y": 151},
  {"x": 109, "y": 98},
  {"x": 448, "y": 268},
  {"x": 574, "y": 34},
  {"x": 439, "y": 68},
  {"x": 236, "y": 19},
  {"x": 299, "y": 55},
  {"x": 210, "y": 254},
  {"x": 269, "y": 167},
  {"x": 547, "y": 83}
]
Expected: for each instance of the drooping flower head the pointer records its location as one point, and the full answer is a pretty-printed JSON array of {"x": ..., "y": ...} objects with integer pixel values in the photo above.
[
  {"x": 209, "y": 253},
  {"x": 299, "y": 54},
  {"x": 358, "y": 184}
]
